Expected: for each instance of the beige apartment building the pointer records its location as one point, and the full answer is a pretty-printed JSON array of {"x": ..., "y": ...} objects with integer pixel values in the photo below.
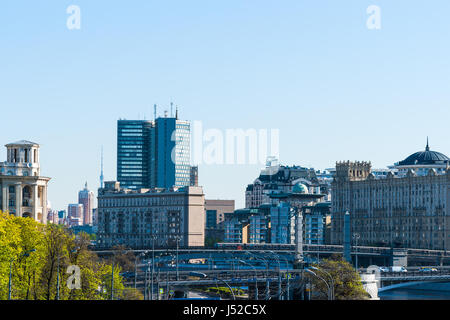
[
  {"x": 407, "y": 208},
  {"x": 136, "y": 218}
]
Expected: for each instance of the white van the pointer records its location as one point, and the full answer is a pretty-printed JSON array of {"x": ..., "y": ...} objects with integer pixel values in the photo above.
[{"x": 398, "y": 269}]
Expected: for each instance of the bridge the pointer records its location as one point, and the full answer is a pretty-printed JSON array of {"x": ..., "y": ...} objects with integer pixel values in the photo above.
[
  {"x": 268, "y": 271},
  {"x": 363, "y": 256},
  {"x": 435, "y": 278},
  {"x": 261, "y": 284}
]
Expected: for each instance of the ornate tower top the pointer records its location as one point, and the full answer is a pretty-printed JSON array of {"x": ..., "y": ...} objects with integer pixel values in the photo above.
[
  {"x": 353, "y": 171},
  {"x": 22, "y": 159}
]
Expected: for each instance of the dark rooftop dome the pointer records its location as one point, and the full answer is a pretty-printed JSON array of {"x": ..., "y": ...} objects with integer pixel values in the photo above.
[{"x": 426, "y": 157}]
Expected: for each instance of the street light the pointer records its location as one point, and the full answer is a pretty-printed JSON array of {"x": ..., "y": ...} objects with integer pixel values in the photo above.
[
  {"x": 25, "y": 254},
  {"x": 287, "y": 275},
  {"x": 178, "y": 238},
  {"x": 267, "y": 272},
  {"x": 112, "y": 281},
  {"x": 142, "y": 254},
  {"x": 356, "y": 236},
  {"x": 279, "y": 273},
  {"x": 319, "y": 277},
  {"x": 153, "y": 265},
  {"x": 331, "y": 279},
  {"x": 256, "y": 277}
]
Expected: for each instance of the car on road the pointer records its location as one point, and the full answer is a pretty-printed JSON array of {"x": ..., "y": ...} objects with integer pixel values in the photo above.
[
  {"x": 384, "y": 269},
  {"x": 428, "y": 269},
  {"x": 398, "y": 269}
]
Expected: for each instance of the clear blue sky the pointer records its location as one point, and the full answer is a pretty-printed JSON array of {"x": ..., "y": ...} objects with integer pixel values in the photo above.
[{"x": 335, "y": 89}]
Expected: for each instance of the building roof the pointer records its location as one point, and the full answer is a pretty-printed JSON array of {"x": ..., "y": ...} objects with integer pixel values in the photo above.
[
  {"x": 300, "y": 188},
  {"x": 426, "y": 157},
  {"x": 22, "y": 143}
]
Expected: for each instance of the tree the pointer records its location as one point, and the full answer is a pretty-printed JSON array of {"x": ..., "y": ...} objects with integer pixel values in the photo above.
[
  {"x": 31, "y": 239},
  {"x": 34, "y": 275},
  {"x": 9, "y": 249},
  {"x": 211, "y": 242},
  {"x": 347, "y": 282},
  {"x": 56, "y": 246},
  {"x": 123, "y": 257}
]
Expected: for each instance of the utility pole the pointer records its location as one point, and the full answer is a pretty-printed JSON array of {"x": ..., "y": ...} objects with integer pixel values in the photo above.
[
  {"x": 112, "y": 282},
  {"x": 57, "y": 278},
  {"x": 347, "y": 238},
  {"x": 356, "y": 236},
  {"x": 10, "y": 279},
  {"x": 153, "y": 266},
  {"x": 178, "y": 239},
  {"x": 26, "y": 254}
]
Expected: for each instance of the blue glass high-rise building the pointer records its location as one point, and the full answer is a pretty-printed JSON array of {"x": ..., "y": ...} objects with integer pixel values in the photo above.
[
  {"x": 153, "y": 153},
  {"x": 172, "y": 153},
  {"x": 133, "y": 151}
]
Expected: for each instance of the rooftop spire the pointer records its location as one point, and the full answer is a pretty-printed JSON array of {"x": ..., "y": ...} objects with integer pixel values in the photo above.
[
  {"x": 101, "y": 171},
  {"x": 428, "y": 146}
]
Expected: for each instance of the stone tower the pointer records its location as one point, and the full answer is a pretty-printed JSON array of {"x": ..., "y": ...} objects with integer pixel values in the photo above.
[
  {"x": 23, "y": 192},
  {"x": 352, "y": 171}
]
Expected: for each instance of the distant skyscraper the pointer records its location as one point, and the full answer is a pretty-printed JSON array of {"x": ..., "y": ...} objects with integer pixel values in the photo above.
[
  {"x": 153, "y": 153},
  {"x": 75, "y": 214},
  {"x": 86, "y": 198},
  {"x": 172, "y": 153},
  {"x": 194, "y": 176},
  {"x": 62, "y": 217},
  {"x": 133, "y": 153}
]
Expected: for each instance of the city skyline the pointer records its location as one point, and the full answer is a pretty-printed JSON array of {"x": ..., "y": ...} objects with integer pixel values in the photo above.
[{"x": 335, "y": 89}]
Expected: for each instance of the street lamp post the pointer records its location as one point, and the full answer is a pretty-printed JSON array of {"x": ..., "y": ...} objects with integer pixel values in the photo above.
[
  {"x": 319, "y": 277},
  {"x": 112, "y": 281},
  {"x": 146, "y": 281},
  {"x": 356, "y": 236},
  {"x": 256, "y": 277},
  {"x": 57, "y": 279},
  {"x": 135, "y": 267},
  {"x": 178, "y": 239},
  {"x": 331, "y": 279},
  {"x": 279, "y": 273},
  {"x": 153, "y": 266},
  {"x": 287, "y": 277},
  {"x": 231, "y": 289},
  {"x": 267, "y": 272},
  {"x": 25, "y": 254}
]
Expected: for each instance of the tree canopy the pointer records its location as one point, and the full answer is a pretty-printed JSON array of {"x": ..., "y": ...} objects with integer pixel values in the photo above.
[
  {"x": 38, "y": 253},
  {"x": 347, "y": 282}
]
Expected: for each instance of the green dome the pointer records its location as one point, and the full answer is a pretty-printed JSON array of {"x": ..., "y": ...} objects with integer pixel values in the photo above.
[{"x": 300, "y": 188}]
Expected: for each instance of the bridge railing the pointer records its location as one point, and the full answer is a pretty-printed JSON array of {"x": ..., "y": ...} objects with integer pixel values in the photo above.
[{"x": 226, "y": 275}]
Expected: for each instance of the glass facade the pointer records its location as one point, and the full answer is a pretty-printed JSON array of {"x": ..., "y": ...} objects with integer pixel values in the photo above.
[
  {"x": 173, "y": 153},
  {"x": 281, "y": 231},
  {"x": 153, "y": 153},
  {"x": 211, "y": 219},
  {"x": 133, "y": 144}
]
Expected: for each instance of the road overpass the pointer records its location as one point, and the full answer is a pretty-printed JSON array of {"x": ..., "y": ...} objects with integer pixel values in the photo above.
[{"x": 362, "y": 255}]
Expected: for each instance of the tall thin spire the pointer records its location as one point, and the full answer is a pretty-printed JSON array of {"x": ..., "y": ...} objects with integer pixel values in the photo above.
[
  {"x": 176, "y": 113},
  {"x": 101, "y": 172},
  {"x": 428, "y": 146},
  {"x": 171, "y": 109}
]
